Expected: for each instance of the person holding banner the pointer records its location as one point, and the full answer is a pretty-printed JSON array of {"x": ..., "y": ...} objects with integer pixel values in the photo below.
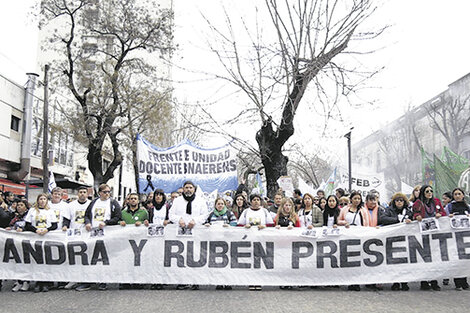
[
  {"x": 286, "y": 216},
  {"x": 18, "y": 223},
  {"x": 221, "y": 215},
  {"x": 373, "y": 208},
  {"x": 40, "y": 220},
  {"x": 427, "y": 206},
  {"x": 101, "y": 212},
  {"x": 159, "y": 214},
  {"x": 256, "y": 215},
  {"x": 187, "y": 211},
  {"x": 458, "y": 206},
  {"x": 58, "y": 206},
  {"x": 133, "y": 213},
  {"x": 397, "y": 212},
  {"x": 331, "y": 212},
  {"x": 310, "y": 215},
  {"x": 354, "y": 214}
]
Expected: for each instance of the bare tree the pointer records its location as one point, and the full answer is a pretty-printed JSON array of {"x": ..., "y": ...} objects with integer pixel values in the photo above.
[
  {"x": 450, "y": 117},
  {"x": 275, "y": 75},
  {"x": 105, "y": 48}
]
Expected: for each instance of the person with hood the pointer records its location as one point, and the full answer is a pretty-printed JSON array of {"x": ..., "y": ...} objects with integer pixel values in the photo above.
[
  {"x": 458, "y": 206},
  {"x": 424, "y": 207}
]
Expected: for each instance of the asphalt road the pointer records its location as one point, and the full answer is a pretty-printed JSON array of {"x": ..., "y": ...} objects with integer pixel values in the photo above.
[{"x": 240, "y": 299}]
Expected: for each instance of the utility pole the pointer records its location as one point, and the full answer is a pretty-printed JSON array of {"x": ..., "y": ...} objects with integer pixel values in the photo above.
[
  {"x": 348, "y": 136},
  {"x": 45, "y": 133}
]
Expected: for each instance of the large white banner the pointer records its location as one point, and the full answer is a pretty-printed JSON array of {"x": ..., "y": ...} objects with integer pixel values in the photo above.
[
  {"x": 239, "y": 256},
  {"x": 169, "y": 168}
]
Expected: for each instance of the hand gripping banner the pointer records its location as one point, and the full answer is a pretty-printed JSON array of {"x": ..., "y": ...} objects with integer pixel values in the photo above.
[{"x": 237, "y": 256}]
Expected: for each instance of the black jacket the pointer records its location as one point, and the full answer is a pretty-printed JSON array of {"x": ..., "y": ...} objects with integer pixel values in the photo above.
[
  {"x": 389, "y": 216},
  {"x": 115, "y": 213}
]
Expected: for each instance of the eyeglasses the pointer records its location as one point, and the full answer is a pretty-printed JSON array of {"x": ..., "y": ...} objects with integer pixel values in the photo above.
[
  {"x": 106, "y": 191},
  {"x": 428, "y": 191},
  {"x": 401, "y": 200},
  {"x": 344, "y": 203}
]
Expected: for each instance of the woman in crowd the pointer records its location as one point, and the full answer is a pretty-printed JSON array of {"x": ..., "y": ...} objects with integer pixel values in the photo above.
[
  {"x": 424, "y": 207},
  {"x": 310, "y": 214},
  {"x": 354, "y": 214},
  {"x": 286, "y": 216},
  {"x": 221, "y": 214},
  {"x": 160, "y": 213},
  {"x": 322, "y": 203},
  {"x": 40, "y": 220},
  {"x": 414, "y": 194},
  {"x": 258, "y": 216},
  {"x": 239, "y": 205},
  {"x": 331, "y": 212},
  {"x": 446, "y": 198},
  {"x": 458, "y": 206},
  {"x": 255, "y": 215},
  {"x": 397, "y": 212},
  {"x": 342, "y": 202},
  {"x": 18, "y": 223}
]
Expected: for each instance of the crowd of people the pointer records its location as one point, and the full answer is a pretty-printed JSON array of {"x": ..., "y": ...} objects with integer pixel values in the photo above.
[{"x": 238, "y": 208}]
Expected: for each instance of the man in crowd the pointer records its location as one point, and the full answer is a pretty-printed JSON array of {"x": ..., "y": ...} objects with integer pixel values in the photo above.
[
  {"x": 101, "y": 212},
  {"x": 297, "y": 194},
  {"x": 187, "y": 211},
  {"x": 74, "y": 217},
  {"x": 133, "y": 213},
  {"x": 58, "y": 206},
  {"x": 277, "y": 202}
]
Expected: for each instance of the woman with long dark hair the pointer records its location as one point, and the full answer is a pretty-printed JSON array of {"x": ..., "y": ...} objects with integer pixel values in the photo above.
[
  {"x": 424, "y": 207},
  {"x": 331, "y": 212},
  {"x": 239, "y": 205}
]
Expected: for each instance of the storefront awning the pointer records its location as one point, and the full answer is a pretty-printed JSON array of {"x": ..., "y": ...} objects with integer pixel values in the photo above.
[{"x": 8, "y": 185}]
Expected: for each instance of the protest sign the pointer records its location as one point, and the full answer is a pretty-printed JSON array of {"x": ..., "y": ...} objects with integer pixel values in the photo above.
[
  {"x": 239, "y": 256},
  {"x": 168, "y": 168}
]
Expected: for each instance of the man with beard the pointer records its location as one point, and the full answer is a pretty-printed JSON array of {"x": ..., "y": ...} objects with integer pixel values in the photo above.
[{"x": 187, "y": 211}]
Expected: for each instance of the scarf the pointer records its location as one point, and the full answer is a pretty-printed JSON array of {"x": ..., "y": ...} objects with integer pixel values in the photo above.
[
  {"x": 188, "y": 205},
  {"x": 158, "y": 206},
  {"x": 221, "y": 213}
]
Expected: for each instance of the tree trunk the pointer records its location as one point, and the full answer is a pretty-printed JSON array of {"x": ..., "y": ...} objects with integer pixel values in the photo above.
[{"x": 274, "y": 162}]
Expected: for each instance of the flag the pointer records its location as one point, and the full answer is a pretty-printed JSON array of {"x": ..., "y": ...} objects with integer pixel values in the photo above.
[
  {"x": 52, "y": 183},
  {"x": 446, "y": 179},
  {"x": 331, "y": 184},
  {"x": 427, "y": 166},
  {"x": 259, "y": 185},
  {"x": 456, "y": 163},
  {"x": 305, "y": 188}
]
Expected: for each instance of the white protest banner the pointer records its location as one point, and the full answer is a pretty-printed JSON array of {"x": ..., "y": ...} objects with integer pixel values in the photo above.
[
  {"x": 237, "y": 256},
  {"x": 285, "y": 182},
  {"x": 364, "y": 181},
  {"x": 169, "y": 168}
]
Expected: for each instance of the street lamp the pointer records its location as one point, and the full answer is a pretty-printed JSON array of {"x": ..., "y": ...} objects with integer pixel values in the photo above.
[{"x": 348, "y": 136}]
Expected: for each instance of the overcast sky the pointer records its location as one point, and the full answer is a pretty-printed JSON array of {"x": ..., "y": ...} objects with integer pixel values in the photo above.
[{"x": 426, "y": 49}]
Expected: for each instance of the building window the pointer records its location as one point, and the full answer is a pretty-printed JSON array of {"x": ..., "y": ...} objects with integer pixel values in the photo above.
[{"x": 15, "y": 123}]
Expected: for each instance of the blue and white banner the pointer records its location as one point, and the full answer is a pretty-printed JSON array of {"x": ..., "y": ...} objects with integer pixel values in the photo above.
[{"x": 168, "y": 168}]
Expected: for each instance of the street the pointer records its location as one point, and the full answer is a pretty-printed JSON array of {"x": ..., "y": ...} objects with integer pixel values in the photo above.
[{"x": 240, "y": 299}]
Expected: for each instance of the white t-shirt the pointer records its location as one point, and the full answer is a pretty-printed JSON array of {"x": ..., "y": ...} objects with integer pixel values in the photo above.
[
  {"x": 255, "y": 217},
  {"x": 305, "y": 218},
  {"x": 42, "y": 219},
  {"x": 76, "y": 213},
  {"x": 100, "y": 212},
  {"x": 159, "y": 216},
  {"x": 59, "y": 209}
]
